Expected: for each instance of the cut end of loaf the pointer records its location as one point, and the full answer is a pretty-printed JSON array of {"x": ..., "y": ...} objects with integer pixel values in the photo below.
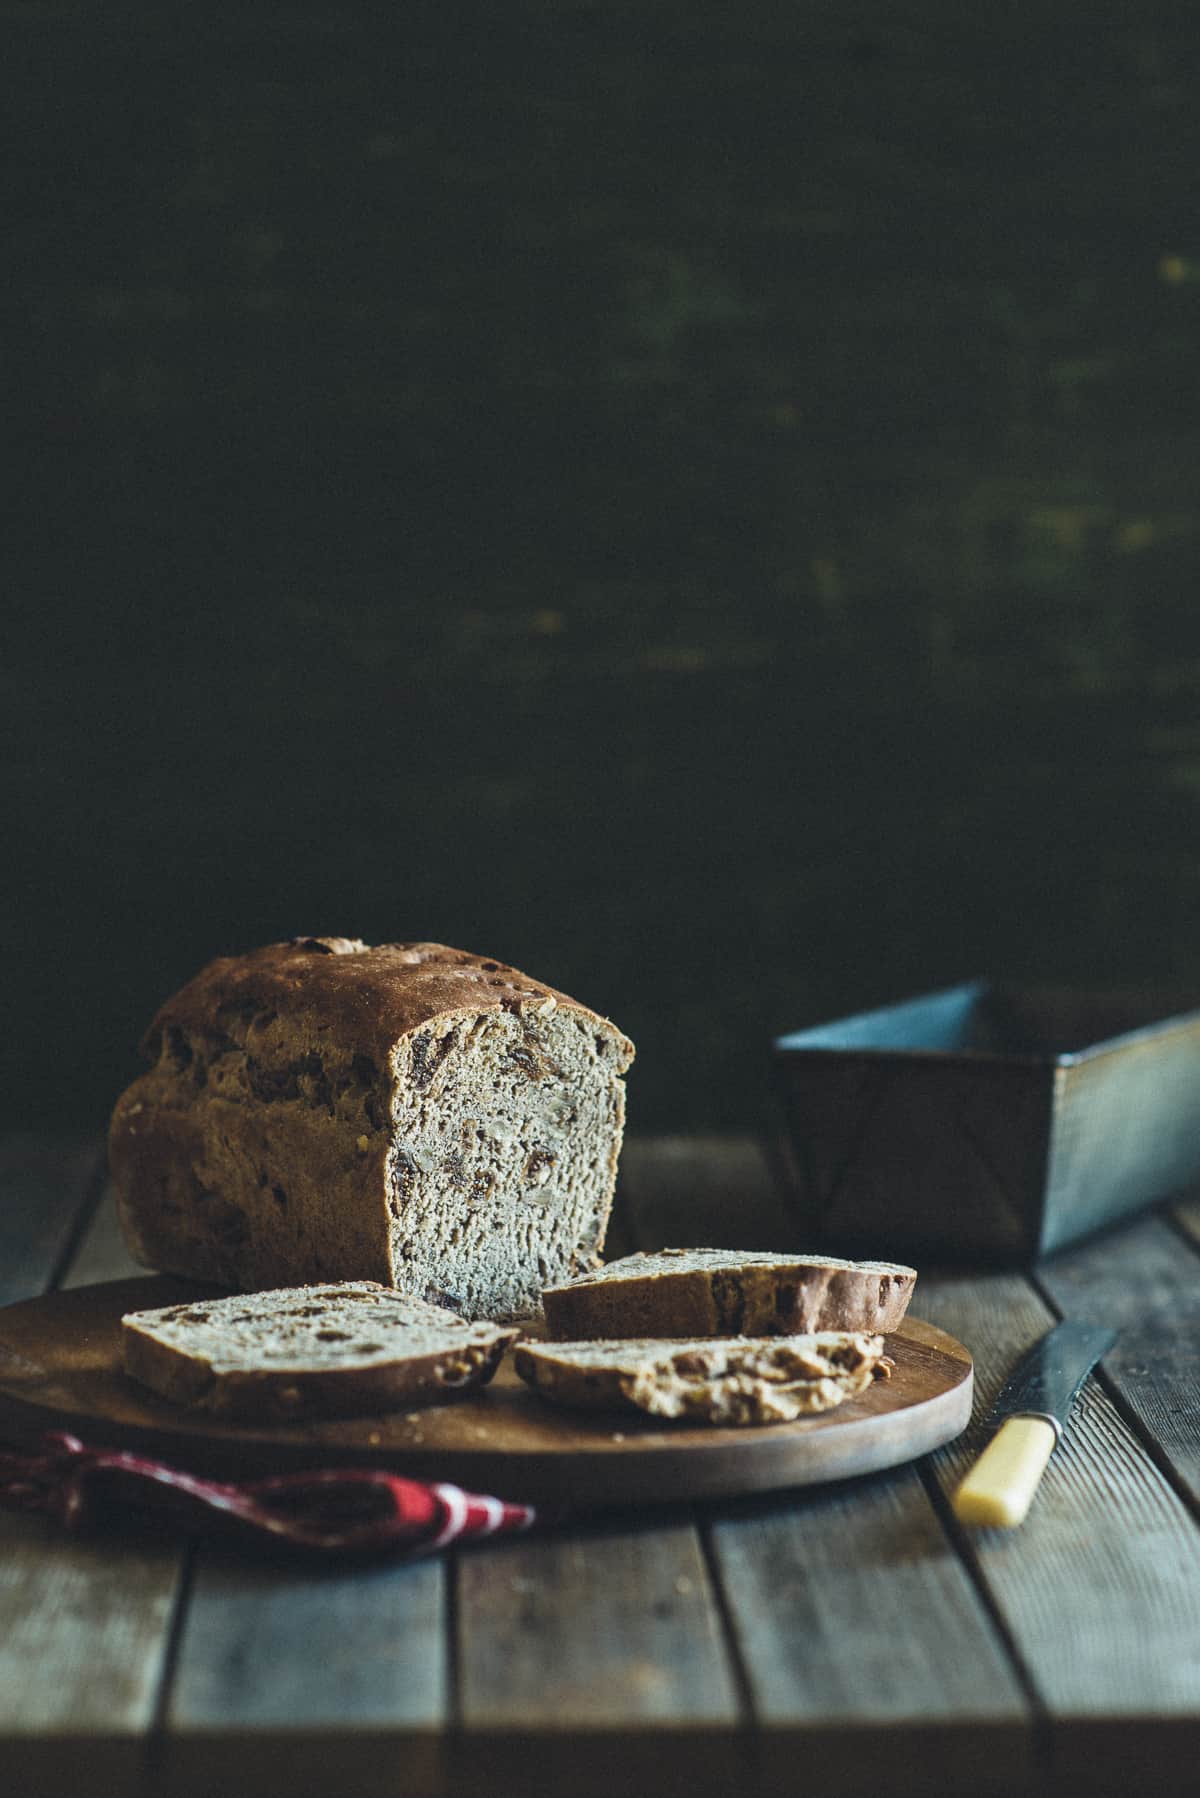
[{"x": 507, "y": 1127}]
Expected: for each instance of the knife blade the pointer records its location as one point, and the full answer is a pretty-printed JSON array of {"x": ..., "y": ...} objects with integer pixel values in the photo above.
[{"x": 1028, "y": 1418}]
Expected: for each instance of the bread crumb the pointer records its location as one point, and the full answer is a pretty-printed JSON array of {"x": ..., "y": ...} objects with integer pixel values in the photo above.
[
  {"x": 618, "y": 1435},
  {"x": 683, "y": 1585},
  {"x": 374, "y": 1439},
  {"x": 363, "y": 1144}
]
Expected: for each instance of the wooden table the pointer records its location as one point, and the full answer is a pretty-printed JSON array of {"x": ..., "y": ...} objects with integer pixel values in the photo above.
[{"x": 842, "y": 1639}]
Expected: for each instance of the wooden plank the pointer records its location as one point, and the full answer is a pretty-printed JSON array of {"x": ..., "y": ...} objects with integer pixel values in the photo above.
[
  {"x": 44, "y": 1185},
  {"x": 821, "y": 1586},
  {"x": 349, "y": 1668},
  {"x": 293, "y": 1630},
  {"x": 1100, "y": 1588},
  {"x": 702, "y": 1192},
  {"x": 83, "y": 1622},
  {"x": 604, "y": 1642},
  {"x": 83, "y": 1626},
  {"x": 291, "y": 1679},
  {"x": 1146, "y": 1284},
  {"x": 867, "y": 1648},
  {"x": 102, "y": 1254},
  {"x": 646, "y": 1691}
]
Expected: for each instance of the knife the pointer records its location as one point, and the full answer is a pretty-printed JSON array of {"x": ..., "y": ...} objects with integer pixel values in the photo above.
[{"x": 1029, "y": 1418}]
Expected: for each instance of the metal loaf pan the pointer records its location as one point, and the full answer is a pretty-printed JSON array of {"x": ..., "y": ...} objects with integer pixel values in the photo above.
[{"x": 987, "y": 1122}]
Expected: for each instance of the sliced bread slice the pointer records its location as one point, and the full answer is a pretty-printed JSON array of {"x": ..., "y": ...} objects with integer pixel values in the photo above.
[
  {"x": 723, "y": 1380},
  {"x": 337, "y": 1350},
  {"x": 729, "y": 1292}
]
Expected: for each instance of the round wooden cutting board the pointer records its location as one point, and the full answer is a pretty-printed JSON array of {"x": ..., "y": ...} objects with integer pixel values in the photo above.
[{"x": 60, "y": 1368}]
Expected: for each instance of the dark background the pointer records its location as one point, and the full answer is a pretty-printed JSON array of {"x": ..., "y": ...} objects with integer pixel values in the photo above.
[{"x": 698, "y": 502}]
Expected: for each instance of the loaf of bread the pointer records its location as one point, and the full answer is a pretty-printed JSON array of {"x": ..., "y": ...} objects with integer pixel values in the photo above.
[
  {"x": 412, "y": 1114},
  {"x": 722, "y": 1380},
  {"x": 729, "y": 1292},
  {"x": 309, "y": 1351}
]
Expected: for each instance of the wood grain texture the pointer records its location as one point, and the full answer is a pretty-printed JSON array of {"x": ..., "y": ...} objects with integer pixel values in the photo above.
[
  {"x": 820, "y": 1587},
  {"x": 83, "y": 1623},
  {"x": 604, "y": 1643},
  {"x": 865, "y": 1643},
  {"x": 1100, "y": 1588},
  {"x": 595, "y": 1659},
  {"x": 60, "y": 1367},
  {"x": 1146, "y": 1284},
  {"x": 292, "y": 1679},
  {"x": 83, "y": 1627},
  {"x": 43, "y": 1187},
  {"x": 608, "y": 1644}
]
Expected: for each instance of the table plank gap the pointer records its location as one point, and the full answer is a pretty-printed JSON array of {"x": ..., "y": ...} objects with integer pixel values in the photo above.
[
  {"x": 1143, "y": 1282},
  {"x": 452, "y": 1649},
  {"x": 604, "y": 1642},
  {"x": 1107, "y": 1535},
  {"x": 778, "y": 1154},
  {"x": 84, "y": 1621},
  {"x": 152, "y": 1781},
  {"x": 862, "y": 1631},
  {"x": 738, "y": 1669},
  {"x": 727, "y": 1191},
  {"x": 960, "y": 1539},
  {"x": 293, "y": 1676}
]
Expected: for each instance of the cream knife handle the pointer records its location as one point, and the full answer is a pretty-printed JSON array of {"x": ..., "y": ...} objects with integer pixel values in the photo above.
[{"x": 1000, "y": 1487}]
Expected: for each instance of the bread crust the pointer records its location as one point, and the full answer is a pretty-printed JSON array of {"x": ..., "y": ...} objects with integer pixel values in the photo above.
[
  {"x": 289, "y": 1394},
  {"x": 768, "y": 1295},
  {"x": 365, "y": 998},
  {"x": 259, "y": 1148}
]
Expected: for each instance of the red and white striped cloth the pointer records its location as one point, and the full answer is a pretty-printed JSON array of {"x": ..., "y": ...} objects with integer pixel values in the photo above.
[{"x": 330, "y": 1512}]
